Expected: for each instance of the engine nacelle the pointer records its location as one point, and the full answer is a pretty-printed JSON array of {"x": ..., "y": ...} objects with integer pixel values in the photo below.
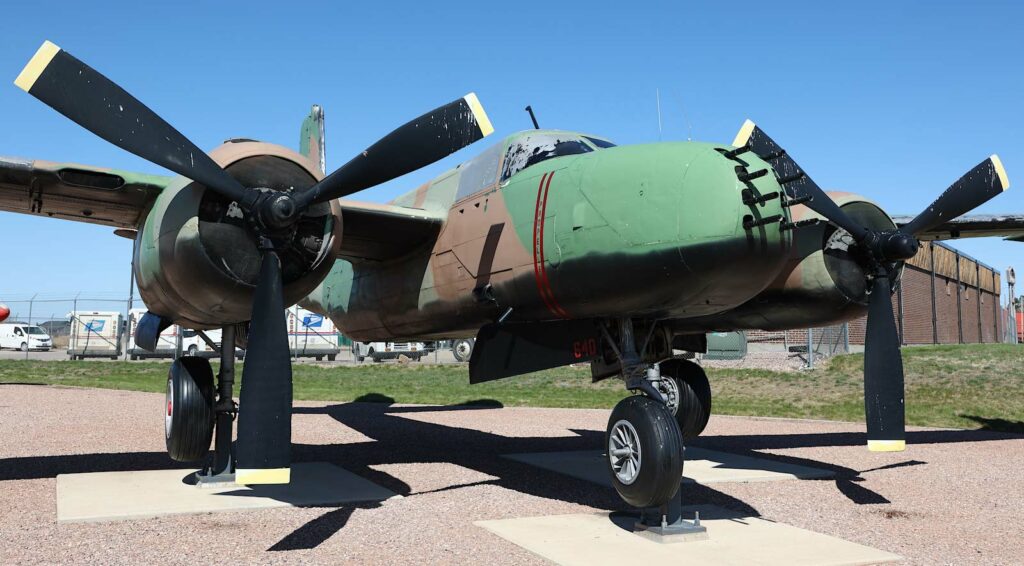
[
  {"x": 196, "y": 259},
  {"x": 823, "y": 282}
]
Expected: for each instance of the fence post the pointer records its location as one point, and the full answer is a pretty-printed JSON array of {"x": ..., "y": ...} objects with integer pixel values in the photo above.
[
  {"x": 959, "y": 302},
  {"x": 28, "y": 327},
  {"x": 977, "y": 279},
  {"x": 810, "y": 348},
  {"x": 935, "y": 315}
]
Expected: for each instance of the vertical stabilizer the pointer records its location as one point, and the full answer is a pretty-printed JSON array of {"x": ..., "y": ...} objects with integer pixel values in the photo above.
[{"x": 311, "y": 139}]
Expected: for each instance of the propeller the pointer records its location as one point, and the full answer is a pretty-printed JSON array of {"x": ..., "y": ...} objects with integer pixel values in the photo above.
[
  {"x": 881, "y": 252},
  {"x": 99, "y": 105}
]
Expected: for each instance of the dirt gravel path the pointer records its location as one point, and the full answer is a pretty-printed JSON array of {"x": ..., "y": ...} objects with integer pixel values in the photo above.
[{"x": 954, "y": 497}]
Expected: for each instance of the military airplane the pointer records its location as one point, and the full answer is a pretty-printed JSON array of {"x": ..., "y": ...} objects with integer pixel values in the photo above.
[{"x": 550, "y": 247}]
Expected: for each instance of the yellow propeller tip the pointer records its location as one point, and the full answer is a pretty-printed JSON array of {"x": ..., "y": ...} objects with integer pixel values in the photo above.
[
  {"x": 479, "y": 115},
  {"x": 743, "y": 136},
  {"x": 36, "y": 65},
  {"x": 262, "y": 476},
  {"x": 1004, "y": 181},
  {"x": 887, "y": 445}
]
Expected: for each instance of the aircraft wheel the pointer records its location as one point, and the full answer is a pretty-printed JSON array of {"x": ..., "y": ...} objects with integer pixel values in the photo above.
[
  {"x": 189, "y": 420},
  {"x": 462, "y": 349},
  {"x": 685, "y": 385},
  {"x": 645, "y": 451}
]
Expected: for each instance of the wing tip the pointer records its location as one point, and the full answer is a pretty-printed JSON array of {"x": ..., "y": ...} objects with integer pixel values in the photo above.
[
  {"x": 486, "y": 128},
  {"x": 262, "y": 476},
  {"x": 887, "y": 445},
  {"x": 36, "y": 65},
  {"x": 743, "y": 136},
  {"x": 997, "y": 163}
]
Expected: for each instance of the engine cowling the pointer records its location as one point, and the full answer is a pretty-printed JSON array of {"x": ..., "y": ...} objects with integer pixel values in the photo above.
[
  {"x": 823, "y": 281},
  {"x": 196, "y": 258}
]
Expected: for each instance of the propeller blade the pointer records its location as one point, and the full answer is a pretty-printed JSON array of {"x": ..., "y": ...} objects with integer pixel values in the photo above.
[
  {"x": 265, "y": 402},
  {"x": 883, "y": 373},
  {"x": 420, "y": 142},
  {"x": 96, "y": 103},
  {"x": 976, "y": 187},
  {"x": 794, "y": 179}
]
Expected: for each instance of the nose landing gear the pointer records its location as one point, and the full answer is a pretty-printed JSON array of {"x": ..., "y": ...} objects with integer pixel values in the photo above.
[{"x": 645, "y": 434}]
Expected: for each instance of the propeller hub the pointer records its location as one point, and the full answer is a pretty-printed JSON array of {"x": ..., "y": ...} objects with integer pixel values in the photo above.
[
  {"x": 898, "y": 246},
  {"x": 277, "y": 210}
]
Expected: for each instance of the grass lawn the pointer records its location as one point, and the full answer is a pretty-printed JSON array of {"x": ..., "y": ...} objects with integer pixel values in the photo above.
[{"x": 965, "y": 386}]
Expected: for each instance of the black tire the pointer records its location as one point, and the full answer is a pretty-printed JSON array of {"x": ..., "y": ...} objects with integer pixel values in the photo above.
[
  {"x": 463, "y": 349},
  {"x": 693, "y": 407},
  {"x": 134, "y": 357},
  {"x": 360, "y": 359},
  {"x": 660, "y": 454},
  {"x": 189, "y": 420},
  {"x": 24, "y": 347},
  {"x": 378, "y": 359},
  {"x": 193, "y": 350},
  {"x": 332, "y": 357}
]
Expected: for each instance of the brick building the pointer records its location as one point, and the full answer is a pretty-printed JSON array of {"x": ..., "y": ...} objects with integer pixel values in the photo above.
[{"x": 944, "y": 297}]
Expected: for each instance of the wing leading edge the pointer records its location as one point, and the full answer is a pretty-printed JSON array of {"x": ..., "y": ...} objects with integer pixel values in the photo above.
[
  {"x": 81, "y": 193},
  {"x": 1009, "y": 226}
]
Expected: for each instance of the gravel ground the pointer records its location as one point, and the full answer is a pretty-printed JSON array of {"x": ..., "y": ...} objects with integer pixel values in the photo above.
[{"x": 955, "y": 497}]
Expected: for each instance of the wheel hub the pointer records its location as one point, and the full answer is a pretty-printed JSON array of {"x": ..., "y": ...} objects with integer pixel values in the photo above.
[
  {"x": 669, "y": 389},
  {"x": 624, "y": 451}
]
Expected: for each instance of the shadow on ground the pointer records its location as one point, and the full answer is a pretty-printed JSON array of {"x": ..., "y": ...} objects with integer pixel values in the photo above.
[{"x": 397, "y": 440}]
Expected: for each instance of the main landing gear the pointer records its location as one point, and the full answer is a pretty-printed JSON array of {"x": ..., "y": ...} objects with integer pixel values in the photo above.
[
  {"x": 645, "y": 434},
  {"x": 194, "y": 412}
]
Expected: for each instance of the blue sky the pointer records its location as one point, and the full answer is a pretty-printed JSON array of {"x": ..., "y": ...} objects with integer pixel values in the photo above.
[{"x": 893, "y": 100}]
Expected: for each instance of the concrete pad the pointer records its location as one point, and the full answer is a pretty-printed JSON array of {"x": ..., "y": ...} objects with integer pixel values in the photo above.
[
  {"x": 112, "y": 496},
  {"x": 591, "y": 539},
  {"x": 702, "y": 466}
]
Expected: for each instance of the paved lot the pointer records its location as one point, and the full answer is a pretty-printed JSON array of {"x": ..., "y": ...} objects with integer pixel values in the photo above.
[{"x": 953, "y": 497}]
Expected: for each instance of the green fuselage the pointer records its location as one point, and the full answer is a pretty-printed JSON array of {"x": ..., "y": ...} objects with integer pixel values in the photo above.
[{"x": 652, "y": 231}]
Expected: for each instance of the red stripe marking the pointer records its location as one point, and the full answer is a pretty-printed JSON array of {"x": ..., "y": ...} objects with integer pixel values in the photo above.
[
  {"x": 538, "y": 222},
  {"x": 543, "y": 264},
  {"x": 539, "y": 263}
]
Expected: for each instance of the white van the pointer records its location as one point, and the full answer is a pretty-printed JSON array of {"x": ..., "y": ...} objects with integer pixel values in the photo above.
[
  {"x": 94, "y": 334},
  {"x": 379, "y": 351},
  {"x": 24, "y": 337}
]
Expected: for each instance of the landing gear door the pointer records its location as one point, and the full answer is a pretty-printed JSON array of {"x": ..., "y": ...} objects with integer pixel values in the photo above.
[{"x": 504, "y": 350}]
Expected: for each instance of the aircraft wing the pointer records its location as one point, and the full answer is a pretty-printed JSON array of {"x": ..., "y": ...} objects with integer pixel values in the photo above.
[
  {"x": 77, "y": 192},
  {"x": 378, "y": 232},
  {"x": 1009, "y": 226}
]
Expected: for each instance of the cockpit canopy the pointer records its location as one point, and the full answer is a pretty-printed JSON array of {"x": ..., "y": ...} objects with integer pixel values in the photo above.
[{"x": 519, "y": 151}]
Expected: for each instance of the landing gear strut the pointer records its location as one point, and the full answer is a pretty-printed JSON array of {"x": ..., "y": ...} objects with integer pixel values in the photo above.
[
  {"x": 644, "y": 440},
  {"x": 222, "y": 466}
]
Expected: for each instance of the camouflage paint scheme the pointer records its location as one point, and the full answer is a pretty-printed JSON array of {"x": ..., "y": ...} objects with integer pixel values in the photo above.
[{"x": 650, "y": 231}]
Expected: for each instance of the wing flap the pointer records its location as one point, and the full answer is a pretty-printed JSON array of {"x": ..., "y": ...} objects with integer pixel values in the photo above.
[
  {"x": 379, "y": 232},
  {"x": 77, "y": 192}
]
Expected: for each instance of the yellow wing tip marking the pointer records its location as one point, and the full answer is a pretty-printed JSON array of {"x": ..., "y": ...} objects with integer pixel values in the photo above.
[
  {"x": 477, "y": 109},
  {"x": 744, "y": 134},
  {"x": 1004, "y": 181},
  {"x": 260, "y": 477},
  {"x": 36, "y": 65},
  {"x": 887, "y": 445}
]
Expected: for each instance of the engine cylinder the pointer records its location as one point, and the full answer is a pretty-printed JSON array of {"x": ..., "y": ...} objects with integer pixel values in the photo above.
[{"x": 196, "y": 256}]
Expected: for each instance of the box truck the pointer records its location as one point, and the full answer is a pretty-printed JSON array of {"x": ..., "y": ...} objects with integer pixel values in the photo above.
[{"x": 94, "y": 334}]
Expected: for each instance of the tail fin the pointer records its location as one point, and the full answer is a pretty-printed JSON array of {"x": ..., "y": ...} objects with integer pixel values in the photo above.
[{"x": 312, "y": 143}]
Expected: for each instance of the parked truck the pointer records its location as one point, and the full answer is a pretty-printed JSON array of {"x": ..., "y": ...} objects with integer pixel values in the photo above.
[
  {"x": 312, "y": 335},
  {"x": 94, "y": 334}
]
